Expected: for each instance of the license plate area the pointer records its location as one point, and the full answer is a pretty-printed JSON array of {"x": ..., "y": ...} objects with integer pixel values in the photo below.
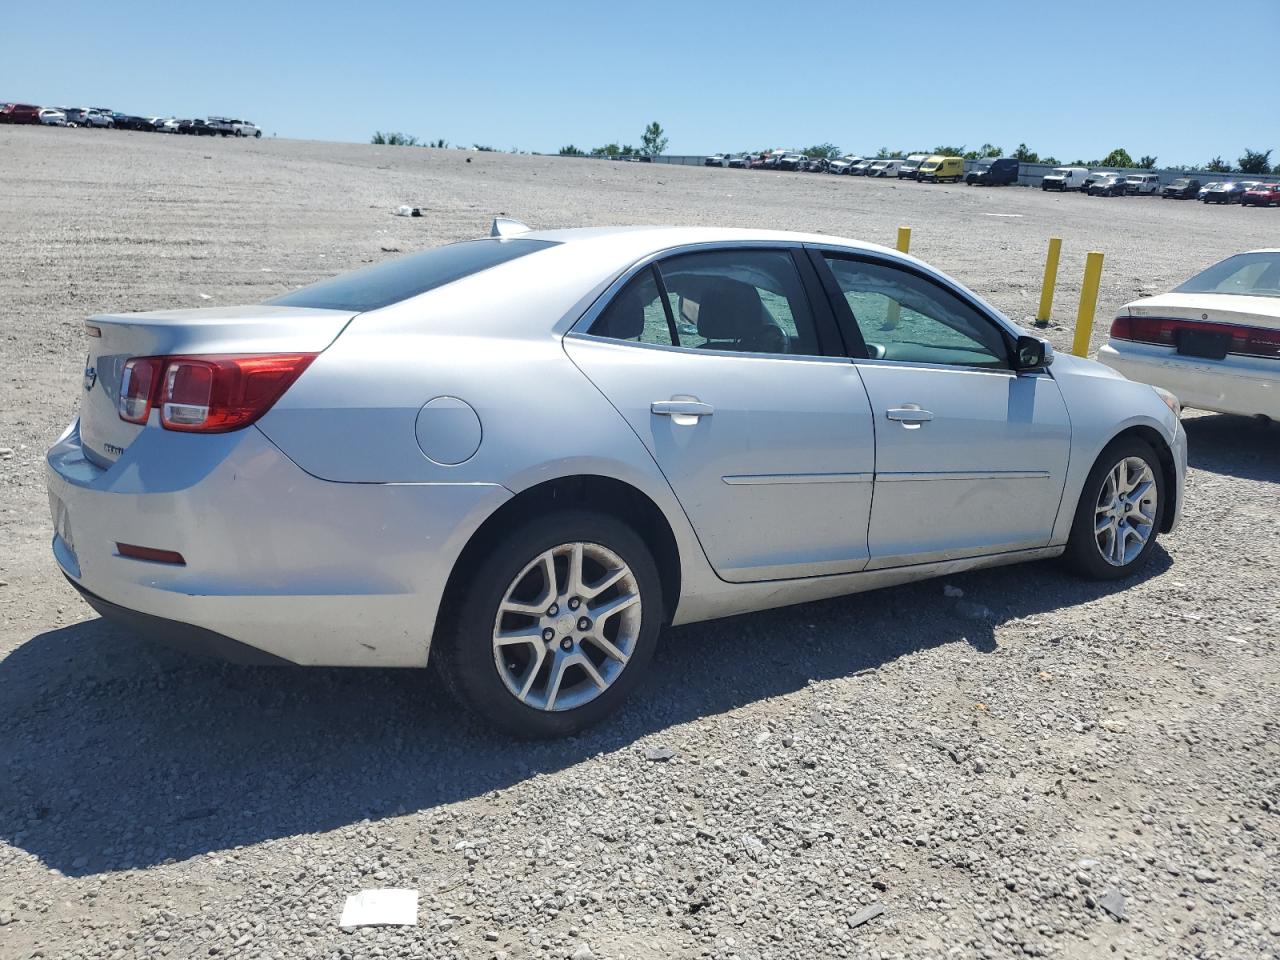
[{"x": 1203, "y": 343}]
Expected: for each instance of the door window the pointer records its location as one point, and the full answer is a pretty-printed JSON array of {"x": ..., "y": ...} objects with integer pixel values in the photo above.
[
  {"x": 744, "y": 301},
  {"x": 905, "y": 317}
]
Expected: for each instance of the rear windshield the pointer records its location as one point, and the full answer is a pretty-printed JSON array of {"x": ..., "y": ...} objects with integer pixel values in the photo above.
[
  {"x": 1248, "y": 274},
  {"x": 386, "y": 283}
]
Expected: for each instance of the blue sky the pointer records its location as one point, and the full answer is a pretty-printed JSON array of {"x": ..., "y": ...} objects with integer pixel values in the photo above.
[{"x": 1072, "y": 80}]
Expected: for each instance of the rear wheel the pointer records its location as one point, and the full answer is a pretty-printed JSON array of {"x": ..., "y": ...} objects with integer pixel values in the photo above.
[
  {"x": 555, "y": 627},
  {"x": 1119, "y": 514}
]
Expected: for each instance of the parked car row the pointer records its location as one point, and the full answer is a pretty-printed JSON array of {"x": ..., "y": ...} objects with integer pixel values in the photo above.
[
  {"x": 104, "y": 117},
  {"x": 992, "y": 171}
]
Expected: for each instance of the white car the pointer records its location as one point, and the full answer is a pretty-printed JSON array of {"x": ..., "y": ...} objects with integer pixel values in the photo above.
[
  {"x": 1214, "y": 341},
  {"x": 525, "y": 456},
  {"x": 862, "y": 168},
  {"x": 884, "y": 168},
  {"x": 1065, "y": 178},
  {"x": 716, "y": 160},
  {"x": 1142, "y": 184},
  {"x": 53, "y": 118}
]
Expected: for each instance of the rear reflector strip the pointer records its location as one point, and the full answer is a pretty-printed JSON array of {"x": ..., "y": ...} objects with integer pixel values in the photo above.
[
  {"x": 1242, "y": 341},
  {"x": 150, "y": 554}
]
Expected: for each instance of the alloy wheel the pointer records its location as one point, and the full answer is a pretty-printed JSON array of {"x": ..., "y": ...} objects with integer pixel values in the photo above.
[
  {"x": 1125, "y": 514},
  {"x": 567, "y": 626}
]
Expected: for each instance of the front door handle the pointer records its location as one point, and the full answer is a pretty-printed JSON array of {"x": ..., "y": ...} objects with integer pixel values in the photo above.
[
  {"x": 681, "y": 408},
  {"x": 909, "y": 414}
]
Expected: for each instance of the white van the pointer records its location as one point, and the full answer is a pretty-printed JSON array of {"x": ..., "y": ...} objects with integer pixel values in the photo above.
[
  {"x": 1065, "y": 178},
  {"x": 884, "y": 168}
]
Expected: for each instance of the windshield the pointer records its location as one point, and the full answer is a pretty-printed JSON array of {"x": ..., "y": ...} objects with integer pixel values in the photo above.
[
  {"x": 404, "y": 277},
  {"x": 1059, "y": 172},
  {"x": 1245, "y": 274}
]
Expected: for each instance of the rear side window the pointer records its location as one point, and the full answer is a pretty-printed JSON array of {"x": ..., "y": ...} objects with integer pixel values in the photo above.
[{"x": 386, "y": 283}]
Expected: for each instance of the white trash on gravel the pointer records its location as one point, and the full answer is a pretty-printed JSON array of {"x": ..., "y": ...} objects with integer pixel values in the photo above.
[{"x": 396, "y": 907}]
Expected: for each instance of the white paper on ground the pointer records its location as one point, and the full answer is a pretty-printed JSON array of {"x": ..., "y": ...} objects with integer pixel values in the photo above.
[{"x": 370, "y": 908}]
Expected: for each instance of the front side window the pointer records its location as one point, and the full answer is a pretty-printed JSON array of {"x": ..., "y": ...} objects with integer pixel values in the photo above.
[
  {"x": 741, "y": 301},
  {"x": 905, "y": 317}
]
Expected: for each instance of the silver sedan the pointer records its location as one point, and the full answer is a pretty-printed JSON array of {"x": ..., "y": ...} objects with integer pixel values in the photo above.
[{"x": 526, "y": 455}]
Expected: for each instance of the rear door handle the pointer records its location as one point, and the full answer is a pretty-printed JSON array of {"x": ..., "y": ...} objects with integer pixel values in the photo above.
[
  {"x": 909, "y": 414},
  {"x": 681, "y": 408}
]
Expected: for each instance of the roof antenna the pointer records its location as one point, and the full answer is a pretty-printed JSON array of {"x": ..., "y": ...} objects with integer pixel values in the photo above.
[{"x": 506, "y": 227}]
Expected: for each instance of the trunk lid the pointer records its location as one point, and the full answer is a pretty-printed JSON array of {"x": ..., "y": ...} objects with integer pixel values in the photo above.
[
  {"x": 230, "y": 330},
  {"x": 1239, "y": 309}
]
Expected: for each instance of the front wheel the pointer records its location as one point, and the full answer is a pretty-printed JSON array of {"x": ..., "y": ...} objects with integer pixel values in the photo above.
[
  {"x": 1119, "y": 513},
  {"x": 554, "y": 627}
]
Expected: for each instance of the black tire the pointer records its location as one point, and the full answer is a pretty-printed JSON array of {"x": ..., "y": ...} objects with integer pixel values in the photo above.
[
  {"x": 463, "y": 645},
  {"x": 1083, "y": 555}
]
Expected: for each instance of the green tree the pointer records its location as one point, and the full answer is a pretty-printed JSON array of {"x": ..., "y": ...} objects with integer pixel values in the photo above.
[
  {"x": 608, "y": 150},
  {"x": 1052, "y": 161},
  {"x": 572, "y": 151},
  {"x": 1218, "y": 165},
  {"x": 986, "y": 150},
  {"x": 1147, "y": 162},
  {"x": 395, "y": 139},
  {"x": 1119, "y": 157},
  {"x": 949, "y": 151},
  {"x": 828, "y": 151},
  {"x": 1255, "y": 161},
  {"x": 1025, "y": 154},
  {"x": 628, "y": 150},
  {"x": 654, "y": 139}
]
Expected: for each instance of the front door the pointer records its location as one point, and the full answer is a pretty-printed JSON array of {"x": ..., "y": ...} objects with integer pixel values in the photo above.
[
  {"x": 716, "y": 361},
  {"x": 971, "y": 456}
]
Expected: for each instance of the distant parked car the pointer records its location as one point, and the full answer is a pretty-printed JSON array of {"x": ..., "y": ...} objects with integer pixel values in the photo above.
[
  {"x": 170, "y": 126},
  {"x": 19, "y": 113},
  {"x": 910, "y": 169},
  {"x": 758, "y": 163},
  {"x": 817, "y": 165},
  {"x": 1211, "y": 185},
  {"x": 1140, "y": 184},
  {"x": 1064, "y": 179},
  {"x": 124, "y": 121},
  {"x": 844, "y": 164},
  {"x": 96, "y": 118},
  {"x": 937, "y": 169},
  {"x": 740, "y": 162},
  {"x": 75, "y": 115},
  {"x": 196, "y": 128},
  {"x": 53, "y": 118},
  {"x": 243, "y": 128},
  {"x": 1214, "y": 341},
  {"x": 861, "y": 168},
  {"x": 1184, "y": 188},
  {"x": 885, "y": 168},
  {"x": 791, "y": 161},
  {"x": 1107, "y": 185},
  {"x": 1227, "y": 192},
  {"x": 1095, "y": 177},
  {"x": 993, "y": 172},
  {"x": 715, "y": 160},
  {"x": 1261, "y": 195}
]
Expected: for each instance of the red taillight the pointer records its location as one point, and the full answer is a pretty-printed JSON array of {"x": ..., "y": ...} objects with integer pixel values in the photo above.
[
  {"x": 137, "y": 387},
  {"x": 150, "y": 554},
  {"x": 207, "y": 394},
  {"x": 1163, "y": 331}
]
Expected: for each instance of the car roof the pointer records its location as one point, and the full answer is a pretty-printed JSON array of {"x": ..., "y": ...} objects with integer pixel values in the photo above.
[{"x": 641, "y": 241}]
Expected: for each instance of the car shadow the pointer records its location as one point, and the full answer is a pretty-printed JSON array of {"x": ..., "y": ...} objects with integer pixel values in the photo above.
[
  {"x": 1241, "y": 447},
  {"x": 123, "y": 755}
]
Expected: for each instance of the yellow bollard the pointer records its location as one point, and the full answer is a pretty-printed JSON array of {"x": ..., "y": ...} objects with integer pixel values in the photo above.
[
  {"x": 895, "y": 311},
  {"x": 1088, "y": 304},
  {"x": 1050, "y": 281}
]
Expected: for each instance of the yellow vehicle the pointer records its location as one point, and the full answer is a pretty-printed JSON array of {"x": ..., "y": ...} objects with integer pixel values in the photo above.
[{"x": 939, "y": 168}]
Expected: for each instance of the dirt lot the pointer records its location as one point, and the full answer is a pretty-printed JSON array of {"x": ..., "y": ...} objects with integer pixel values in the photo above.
[{"x": 990, "y": 770}]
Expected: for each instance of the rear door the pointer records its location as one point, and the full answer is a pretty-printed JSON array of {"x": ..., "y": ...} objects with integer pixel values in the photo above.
[
  {"x": 971, "y": 456},
  {"x": 727, "y": 364}
]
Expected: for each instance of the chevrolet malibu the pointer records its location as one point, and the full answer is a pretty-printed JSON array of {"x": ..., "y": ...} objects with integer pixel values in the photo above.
[{"x": 525, "y": 455}]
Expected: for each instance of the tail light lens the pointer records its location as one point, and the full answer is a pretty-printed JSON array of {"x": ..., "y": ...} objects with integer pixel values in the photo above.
[
  {"x": 137, "y": 387},
  {"x": 208, "y": 394},
  {"x": 1163, "y": 331}
]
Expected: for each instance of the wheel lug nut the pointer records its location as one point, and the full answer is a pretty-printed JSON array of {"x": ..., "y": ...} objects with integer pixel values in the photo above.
[
  {"x": 584, "y": 623},
  {"x": 553, "y": 610},
  {"x": 566, "y": 644},
  {"x": 574, "y": 603},
  {"x": 548, "y": 634}
]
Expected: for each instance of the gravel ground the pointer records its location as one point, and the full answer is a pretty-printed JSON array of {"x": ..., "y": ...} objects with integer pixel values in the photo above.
[{"x": 1001, "y": 772}]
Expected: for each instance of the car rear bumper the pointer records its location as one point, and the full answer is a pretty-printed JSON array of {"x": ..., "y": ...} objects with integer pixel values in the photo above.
[
  {"x": 1233, "y": 385},
  {"x": 277, "y": 561}
]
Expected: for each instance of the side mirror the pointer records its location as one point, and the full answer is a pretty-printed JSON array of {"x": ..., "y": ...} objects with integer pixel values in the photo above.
[{"x": 1033, "y": 353}]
